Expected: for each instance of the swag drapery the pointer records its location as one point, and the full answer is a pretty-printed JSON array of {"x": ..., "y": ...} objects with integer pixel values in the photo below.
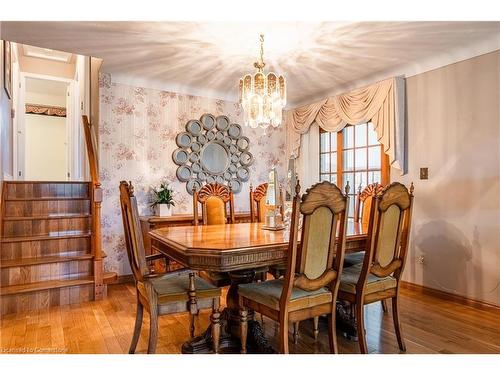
[{"x": 382, "y": 103}]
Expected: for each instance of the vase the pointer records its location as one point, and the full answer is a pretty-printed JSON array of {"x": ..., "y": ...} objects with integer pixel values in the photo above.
[{"x": 163, "y": 210}]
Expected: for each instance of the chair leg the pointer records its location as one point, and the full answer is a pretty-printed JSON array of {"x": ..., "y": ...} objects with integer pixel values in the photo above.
[
  {"x": 215, "y": 319},
  {"x": 243, "y": 330},
  {"x": 316, "y": 327},
  {"x": 153, "y": 329},
  {"x": 360, "y": 325},
  {"x": 191, "y": 324},
  {"x": 332, "y": 333},
  {"x": 137, "y": 328},
  {"x": 397, "y": 324},
  {"x": 384, "y": 305},
  {"x": 284, "y": 336},
  {"x": 296, "y": 332}
]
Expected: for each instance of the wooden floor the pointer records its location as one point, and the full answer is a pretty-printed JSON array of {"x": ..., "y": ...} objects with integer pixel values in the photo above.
[{"x": 430, "y": 325}]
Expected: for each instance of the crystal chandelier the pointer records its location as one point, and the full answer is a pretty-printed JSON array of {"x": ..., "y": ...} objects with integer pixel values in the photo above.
[{"x": 262, "y": 96}]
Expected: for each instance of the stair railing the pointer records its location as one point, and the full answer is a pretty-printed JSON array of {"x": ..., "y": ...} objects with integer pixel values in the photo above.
[{"x": 95, "y": 200}]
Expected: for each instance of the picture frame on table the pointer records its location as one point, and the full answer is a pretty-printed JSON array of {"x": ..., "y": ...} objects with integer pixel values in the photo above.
[{"x": 7, "y": 70}]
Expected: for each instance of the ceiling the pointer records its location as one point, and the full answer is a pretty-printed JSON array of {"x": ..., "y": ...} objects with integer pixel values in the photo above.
[
  {"x": 45, "y": 86},
  {"x": 318, "y": 59}
]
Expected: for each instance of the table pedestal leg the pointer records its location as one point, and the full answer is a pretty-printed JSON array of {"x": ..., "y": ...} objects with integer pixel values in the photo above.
[{"x": 230, "y": 323}]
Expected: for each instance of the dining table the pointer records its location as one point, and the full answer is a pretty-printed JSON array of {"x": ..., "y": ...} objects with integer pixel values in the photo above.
[{"x": 238, "y": 249}]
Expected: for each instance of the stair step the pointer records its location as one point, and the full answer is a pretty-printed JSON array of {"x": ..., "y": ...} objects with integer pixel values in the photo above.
[
  {"x": 47, "y": 217},
  {"x": 42, "y": 260},
  {"x": 109, "y": 277},
  {"x": 47, "y": 199},
  {"x": 43, "y": 285},
  {"x": 51, "y": 236}
]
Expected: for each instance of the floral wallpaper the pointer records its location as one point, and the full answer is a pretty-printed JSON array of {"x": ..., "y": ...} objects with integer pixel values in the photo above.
[{"x": 137, "y": 134}]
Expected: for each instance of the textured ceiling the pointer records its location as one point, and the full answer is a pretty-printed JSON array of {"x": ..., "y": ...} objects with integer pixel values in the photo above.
[{"x": 208, "y": 58}]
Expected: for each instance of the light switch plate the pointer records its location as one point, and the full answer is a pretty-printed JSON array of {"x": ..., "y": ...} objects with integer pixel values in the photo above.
[{"x": 424, "y": 173}]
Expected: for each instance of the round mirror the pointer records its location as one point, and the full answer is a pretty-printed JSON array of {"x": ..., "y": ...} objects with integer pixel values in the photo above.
[
  {"x": 196, "y": 184},
  {"x": 227, "y": 176},
  {"x": 222, "y": 123},
  {"x": 235, "y": 186},
  {"x": 219, "y": 136},
  {"x": 243, "y": 173},
  {"x": 210, "y": 180},
  {"x": 202, "y": 139},
  {"x": 210, "y": 136},
  {"x": 196, "y": 167},
  {"x": 202, "y": 176},
  {"x": 214, "y": 158},
  {"x": 243, "y": 143},
  {"x": 234, "y": 131},
  {"x": 180, "y": 156},
  {"x": 195, "y": 147},
  {"x": 193, "y": 127},
  {"x": 246, "y": 158},
  {"x": 183, "y": 140},
  {"x": 183, "y": 173},
  {"x": 208, "y": 121}
]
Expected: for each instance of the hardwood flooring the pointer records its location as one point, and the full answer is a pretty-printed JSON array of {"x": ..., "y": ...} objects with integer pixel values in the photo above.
[{"x": 430, "y": 325}]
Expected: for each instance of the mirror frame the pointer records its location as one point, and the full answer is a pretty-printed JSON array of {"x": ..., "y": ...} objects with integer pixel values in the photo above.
[{"x": 209, "y": 135}]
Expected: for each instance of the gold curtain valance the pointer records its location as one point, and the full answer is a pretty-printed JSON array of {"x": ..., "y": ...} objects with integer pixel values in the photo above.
[
  {"x": 46, "y": 110},
  {"x": 381, "y": 103}
]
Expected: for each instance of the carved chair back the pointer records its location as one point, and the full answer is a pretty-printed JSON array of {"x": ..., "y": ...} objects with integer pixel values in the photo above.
[
  {"x": 132, "y": 230},
  {"x": 388, "y": 233},
  {"x": 214, "y": 200},
  {"x": 364, "y": 202},
  {"x": 258, "y": 203},
  {"x": 317, "y": 261}
]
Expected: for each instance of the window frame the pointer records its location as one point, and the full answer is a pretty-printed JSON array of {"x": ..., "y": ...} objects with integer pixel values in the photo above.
[{"x": 385, "y": 170}]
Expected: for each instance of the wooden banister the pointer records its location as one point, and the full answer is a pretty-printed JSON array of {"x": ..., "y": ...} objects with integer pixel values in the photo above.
[{"x": 96, "y": 199}]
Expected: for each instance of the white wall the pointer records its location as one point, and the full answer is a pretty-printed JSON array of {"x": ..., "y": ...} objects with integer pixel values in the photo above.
[
  {"x": 454, "y": 130},
  {"x": 46, "y": 153},
  {"x": 45, "y": 148},
  {"x": 6, "y": 149}
]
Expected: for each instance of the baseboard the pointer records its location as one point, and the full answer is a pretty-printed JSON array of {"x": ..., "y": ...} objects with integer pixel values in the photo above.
[
  {"x": 487, "y": 306},
  {"x": 123, "y": 279}
]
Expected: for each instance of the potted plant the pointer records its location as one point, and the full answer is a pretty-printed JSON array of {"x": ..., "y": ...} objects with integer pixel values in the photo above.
[{"x": 163, "y": 200}]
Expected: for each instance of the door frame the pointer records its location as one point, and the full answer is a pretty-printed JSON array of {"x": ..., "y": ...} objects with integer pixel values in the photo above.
[{"x": 74, "y": 155}]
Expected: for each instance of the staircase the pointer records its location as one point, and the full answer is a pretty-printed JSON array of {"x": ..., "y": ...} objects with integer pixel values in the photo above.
[
  {"x": 50, "y": 241},
  {"x": 46, "y": 256}
]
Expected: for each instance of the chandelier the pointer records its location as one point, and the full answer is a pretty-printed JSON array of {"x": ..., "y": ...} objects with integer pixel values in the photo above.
[{"x": 262, "y": 96}]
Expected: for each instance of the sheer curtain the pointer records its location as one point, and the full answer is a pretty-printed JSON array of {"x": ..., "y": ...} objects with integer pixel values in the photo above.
[{"x": 308, "y": 160}]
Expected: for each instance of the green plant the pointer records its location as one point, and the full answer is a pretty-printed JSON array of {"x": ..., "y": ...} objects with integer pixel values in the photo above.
[{"x": 163, "y": 195}]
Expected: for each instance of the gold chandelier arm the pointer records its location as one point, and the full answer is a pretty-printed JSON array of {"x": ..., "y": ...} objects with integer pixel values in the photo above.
[{"x": 261, "y": 64}]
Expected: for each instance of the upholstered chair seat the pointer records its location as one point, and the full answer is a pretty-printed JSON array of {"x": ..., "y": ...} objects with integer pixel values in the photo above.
[
  {"x": 350, "y": 277},
  {"x": 175, "y": 287},
  {"x": 354, "y": 258},
  {"x": 268, "y": 293}
]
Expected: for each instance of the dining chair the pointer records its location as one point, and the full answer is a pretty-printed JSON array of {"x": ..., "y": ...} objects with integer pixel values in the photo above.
[
  {"x": 309, "y": 288},
  {"x": 257, "y": 203},
  {"x": 362, "y": 208},
  {"x": 216, "y": 201},
  {"x": 162, "y": 294},
  {"x": 379, "y": 276}
]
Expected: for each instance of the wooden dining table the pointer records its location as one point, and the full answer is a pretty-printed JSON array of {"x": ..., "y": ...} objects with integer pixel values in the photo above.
[{"x": 238, "y": 249}]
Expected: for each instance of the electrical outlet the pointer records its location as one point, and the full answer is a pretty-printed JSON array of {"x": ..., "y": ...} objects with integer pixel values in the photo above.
[
  {"x": 424, "y": 173},
  {"x": 421, "y": 259}
]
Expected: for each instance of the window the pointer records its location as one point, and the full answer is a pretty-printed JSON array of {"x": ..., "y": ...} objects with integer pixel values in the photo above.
[{"x": 353, "y": 155}]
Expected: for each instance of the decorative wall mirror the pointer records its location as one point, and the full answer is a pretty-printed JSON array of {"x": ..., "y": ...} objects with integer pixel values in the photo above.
[{"x": 212, "y": 150}]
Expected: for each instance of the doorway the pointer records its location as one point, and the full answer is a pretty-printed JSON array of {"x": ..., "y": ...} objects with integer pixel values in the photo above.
[
  {"x": 49, "y": 98},
  {"x": 45, "y": 130}
]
